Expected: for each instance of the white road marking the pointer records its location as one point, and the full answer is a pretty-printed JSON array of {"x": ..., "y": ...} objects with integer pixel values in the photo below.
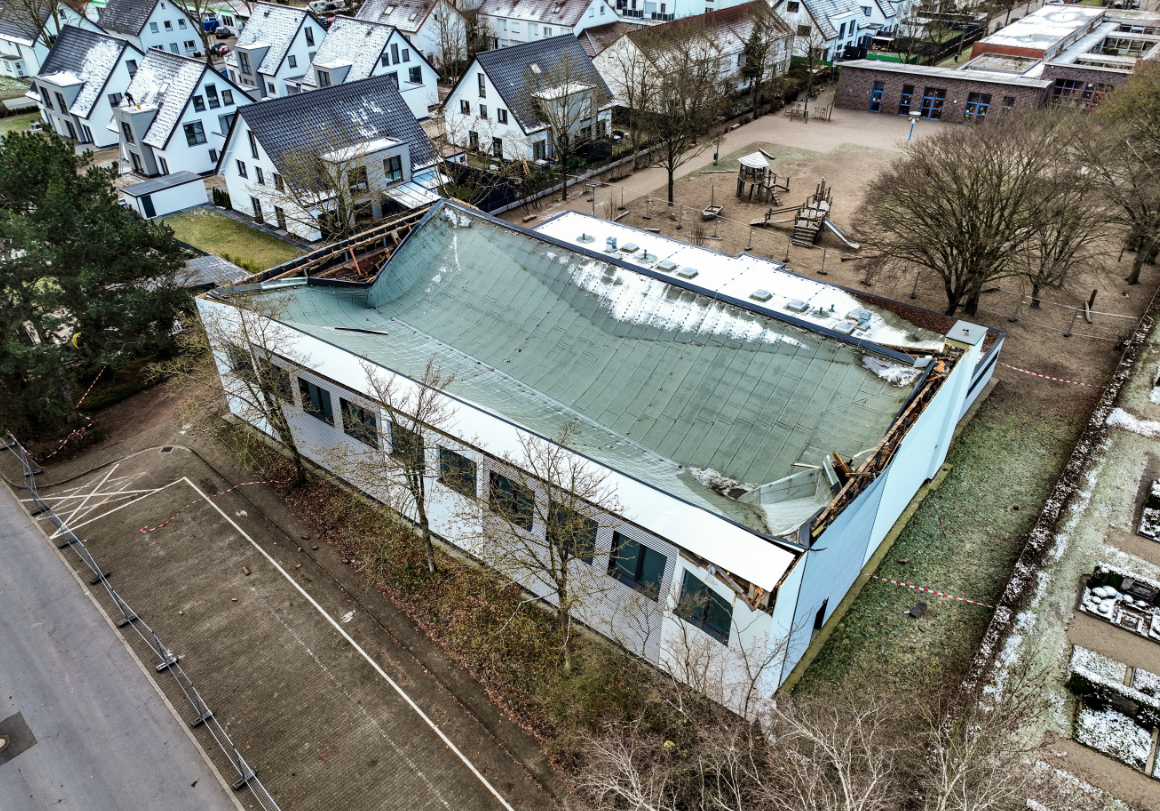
[
  {"x": 410, "y": 702},
  {"x": 90, "y": 495},
  {"x": 348, "y": 616},
  {"x": 86, "y": 495},
  {"x": 110, "y": 512}
]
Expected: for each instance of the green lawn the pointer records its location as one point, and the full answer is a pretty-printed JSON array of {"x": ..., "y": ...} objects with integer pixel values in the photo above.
[
  {"x": 17, "y": 123},
  {"x": 216, "y": 233},
  {"x": 962, "y": 540}
]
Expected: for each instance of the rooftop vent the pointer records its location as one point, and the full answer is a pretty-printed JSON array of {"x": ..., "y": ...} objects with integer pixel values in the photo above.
[
  {"x": 535, "y": 68},
  {"x": 861, "y": 316},
  {"x": 666, "y": 266},
  {"x": 586, "y": 238},
  {"x": 761, "y": 295},
  {"x": 844, "y": 327},
  {"x": 629, "y": 247},
  {"x": 687, "y": 273},
  {"x": 610, "y": 244},
  {"x": 798, "y": 306}
]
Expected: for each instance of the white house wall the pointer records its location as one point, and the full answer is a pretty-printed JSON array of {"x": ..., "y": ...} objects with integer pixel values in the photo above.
[
  {"x": 419, "y": 97},
  {"x": 167, "y": 38},
  {"x": 509, "y": 31},
  {"x": 516, "y": 145}
]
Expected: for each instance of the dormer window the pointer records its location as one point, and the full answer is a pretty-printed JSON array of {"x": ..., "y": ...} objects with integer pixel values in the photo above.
[{"x": 324, "y": 78}]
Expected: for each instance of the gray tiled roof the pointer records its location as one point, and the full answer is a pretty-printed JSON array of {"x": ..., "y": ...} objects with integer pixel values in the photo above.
[
  {"x": 406, "y": 15},
  {"x": 361, "y": 42},
  {"x": 14, "y": 22},
  {"x": 565, "y": 13},
  {"x": 595, "y": 40},
  {"x": 363, "y": 110},
  {"x": 276, "y": 26},
  {"x": 212, "y": 271},
  {"x": 89, "y": 56},
  {"x": 126, "y": 16},
  {"x": 509, "y": 68},
  {"x": 823, "y": 10},
  {"x": 165, "y": 80}
]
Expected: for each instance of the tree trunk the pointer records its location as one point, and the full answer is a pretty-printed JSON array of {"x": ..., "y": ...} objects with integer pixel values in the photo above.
[
  {"x": 564, "y": 176},
  {"x": 972, "y": 305},
  {"x": 425, "y": 533},
  {"x": 1035, "y": 296},
  {"x": 1137, "y": 266},
  {"x": 670, "y": 171},
  {"x": 565, "y": 620}
]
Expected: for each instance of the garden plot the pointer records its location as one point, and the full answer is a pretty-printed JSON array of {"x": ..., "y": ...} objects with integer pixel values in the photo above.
[
  {"x": 1112, "y": 717},
  {"x": 1124, "y": 599}
]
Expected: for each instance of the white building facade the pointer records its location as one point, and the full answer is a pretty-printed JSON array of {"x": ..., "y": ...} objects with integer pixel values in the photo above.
[
  {"x": 275, "y": 50},
  {"x": 436, "y": 28},
  {"x": 175, "y": 116},
  {"x": 24, "y": 45},
  {"x": 358, "y": 49},
  {"x": 151, "y": 24},
  {"x": 83, "y": 79},
  {"x": 512, "y": 22}
]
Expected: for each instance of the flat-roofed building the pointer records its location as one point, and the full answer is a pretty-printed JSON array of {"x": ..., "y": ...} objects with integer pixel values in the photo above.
[{"x": 762, "y": 431}]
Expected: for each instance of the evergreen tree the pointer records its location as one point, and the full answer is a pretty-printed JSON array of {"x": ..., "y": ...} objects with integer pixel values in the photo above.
[{"x": 74, "y": 261}]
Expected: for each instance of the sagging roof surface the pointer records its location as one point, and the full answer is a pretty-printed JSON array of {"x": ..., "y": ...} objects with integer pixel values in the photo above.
[{"x": 670, "y": 385}]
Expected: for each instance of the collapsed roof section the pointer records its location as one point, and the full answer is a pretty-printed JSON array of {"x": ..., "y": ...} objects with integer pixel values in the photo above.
[{"x": 697, "y": 394}]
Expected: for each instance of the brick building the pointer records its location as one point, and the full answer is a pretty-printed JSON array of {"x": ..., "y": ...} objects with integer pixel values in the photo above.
[{"x": 1060, "y": 54}]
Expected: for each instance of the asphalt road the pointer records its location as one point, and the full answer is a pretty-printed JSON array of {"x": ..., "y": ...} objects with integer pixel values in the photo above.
[{"x": 88, "y": 729}]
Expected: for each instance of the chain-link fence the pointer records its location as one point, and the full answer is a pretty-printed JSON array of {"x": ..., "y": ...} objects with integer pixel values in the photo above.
[{"x": 128, "y": 618}]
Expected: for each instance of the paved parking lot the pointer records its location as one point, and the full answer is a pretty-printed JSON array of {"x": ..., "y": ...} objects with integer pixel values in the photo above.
[{"x": 328, "y": 707}]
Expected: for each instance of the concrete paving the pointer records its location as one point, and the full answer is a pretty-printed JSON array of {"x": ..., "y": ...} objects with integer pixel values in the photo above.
[
  {"x": 89, "y": 731},
  {"x": 326, "y": 703}
]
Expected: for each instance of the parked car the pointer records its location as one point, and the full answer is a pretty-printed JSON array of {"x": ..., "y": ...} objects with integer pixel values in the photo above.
[
  {"x": 219, "y": 50},
  {"x": 222, "y": 33}
]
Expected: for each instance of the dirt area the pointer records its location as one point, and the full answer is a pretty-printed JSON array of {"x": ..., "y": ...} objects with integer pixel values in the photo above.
[{"x": 138, "y": 414}]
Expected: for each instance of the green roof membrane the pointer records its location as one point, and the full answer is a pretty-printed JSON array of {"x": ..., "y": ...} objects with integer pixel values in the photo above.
[{"x": 663, "y": 379}]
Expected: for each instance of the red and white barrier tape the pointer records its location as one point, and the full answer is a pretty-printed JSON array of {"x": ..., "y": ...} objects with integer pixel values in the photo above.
[
  {"x": 930, "y": 591},
  {"x": 1049, "y": 377},
  {"x": 215, "y": 495},
  {"x": 90, "y": 388},
  {"x": 83, "y": 428}
]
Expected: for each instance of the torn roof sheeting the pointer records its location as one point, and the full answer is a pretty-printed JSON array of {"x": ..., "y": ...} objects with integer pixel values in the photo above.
[{"x": 664, "y": 380}]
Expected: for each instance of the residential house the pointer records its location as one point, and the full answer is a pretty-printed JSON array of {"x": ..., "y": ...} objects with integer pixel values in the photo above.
[
  {"x": 359, "y": 49},
  {"x": 661, "y": 11},
  {"x": 722, "y": 36},
  {"x": 512, "y": 22},
  {"x": 721, "y": 419},
  {"x": 291, "y": 162},
  {"x": 25, "y": 42},
  {"x": 275, "y": 49},
  {"x": 830, "y": 29},
  {"x": 175, "y": 115},
  {"x": 151, "y": 24},
  {"x": 83, "y": 78},
  {"x": 436, "y": 28},
  {"x": 595, "y": 40},
  {"x": 510, "y": 102}
]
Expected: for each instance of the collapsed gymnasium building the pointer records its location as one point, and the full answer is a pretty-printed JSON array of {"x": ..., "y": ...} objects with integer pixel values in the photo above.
[{"x": 762, "y": 431}]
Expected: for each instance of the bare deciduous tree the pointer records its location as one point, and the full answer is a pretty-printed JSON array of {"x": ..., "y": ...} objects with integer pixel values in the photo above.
[
  {"x": 767, "y": 51},
  {"x": 633, "y": 80},
  {"x": 395, "y": 462},
  {"x": 688, "y": 98},
  {"x": 538, "y": 525},
  {"x": 240, "y": 356},
  {"x": 982, "y": 203}
]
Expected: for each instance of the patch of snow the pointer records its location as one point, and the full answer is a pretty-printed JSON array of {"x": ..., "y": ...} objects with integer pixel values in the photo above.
[
  {"x": 1147, "y": 683},
  {"x": 717, "y": 481},
  {"x": 1119, "y": 418},
  {"x": 1114, "y": 734},
  {"x": 457, "y": 220},
  {"x": 893, "y": 373},
  {"x": 633, "y": 298},
  {"x": 1098, "y": 664}
]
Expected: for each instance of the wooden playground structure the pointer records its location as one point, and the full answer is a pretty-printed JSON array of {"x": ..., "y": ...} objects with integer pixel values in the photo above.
[{"x": 756, "y": 180}]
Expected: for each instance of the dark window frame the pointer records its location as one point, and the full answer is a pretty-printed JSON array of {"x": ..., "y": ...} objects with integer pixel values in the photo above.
[
  {"x": 359, "y": 422},
  {"x": 515, "y": 502},
  {"x": 456, "y": 470},
  {"x": 579, "y": 540},
  {"x": 702, "y": 607},
  {"x": 318, "y": 407},
  {"x": 634, "y": 569}
]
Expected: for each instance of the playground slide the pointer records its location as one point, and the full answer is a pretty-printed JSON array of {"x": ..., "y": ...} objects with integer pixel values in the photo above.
[{"x": 838, "y": 233}]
